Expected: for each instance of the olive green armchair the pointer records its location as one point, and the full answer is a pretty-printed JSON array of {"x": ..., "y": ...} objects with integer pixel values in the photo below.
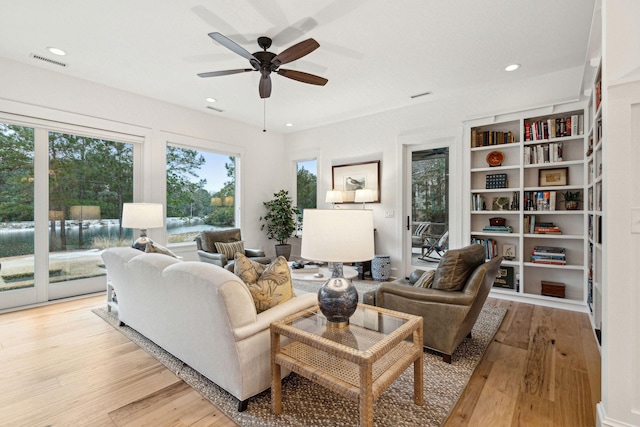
[
  {"x": 450, "y": 307},
  {"x": 214, "y": 247}
]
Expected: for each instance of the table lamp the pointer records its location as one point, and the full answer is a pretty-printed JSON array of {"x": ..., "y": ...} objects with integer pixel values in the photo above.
[
  {"x": 333, "y": 197},
  {"x": 337, "y": 236},
  {"x": 363, "y": 196},
  {"x": 142, "y": 216}
]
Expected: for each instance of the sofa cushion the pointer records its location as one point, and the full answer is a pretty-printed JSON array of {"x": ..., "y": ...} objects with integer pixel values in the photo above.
[
  {"x": 156, "y": 248},
  {"x": 455, "y": 267},
  {"x": 425, "y": 280},
  {"x": 269, "y": 285},
  {"x": 230, "y": 249}
]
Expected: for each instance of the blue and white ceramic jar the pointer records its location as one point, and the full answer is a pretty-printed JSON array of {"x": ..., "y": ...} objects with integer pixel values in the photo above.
[{"x": 381, "y": 268}]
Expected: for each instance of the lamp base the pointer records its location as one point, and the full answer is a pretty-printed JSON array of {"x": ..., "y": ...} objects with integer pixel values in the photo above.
[
  {"x": 338, "y": 299},
  {"x": 141, "y": 243}
]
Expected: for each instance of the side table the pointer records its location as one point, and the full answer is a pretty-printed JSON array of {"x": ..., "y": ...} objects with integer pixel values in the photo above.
[{"x": 359, "y": 361}]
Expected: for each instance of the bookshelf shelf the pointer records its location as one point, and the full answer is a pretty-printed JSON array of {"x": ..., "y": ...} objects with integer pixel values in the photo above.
[{"x": 524, "y": 158}]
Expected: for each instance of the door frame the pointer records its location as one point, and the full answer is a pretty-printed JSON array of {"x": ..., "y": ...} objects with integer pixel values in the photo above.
[{"x": 425, "y": 140}]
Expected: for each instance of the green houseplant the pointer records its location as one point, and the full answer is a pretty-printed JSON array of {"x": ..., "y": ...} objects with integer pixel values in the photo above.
[
  {"x": 572, "y": 200},
  {"x": 281, "y": 221}
]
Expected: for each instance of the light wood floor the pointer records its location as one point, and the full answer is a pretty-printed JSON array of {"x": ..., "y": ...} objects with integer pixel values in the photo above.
[{"x": 61, "y": 365}]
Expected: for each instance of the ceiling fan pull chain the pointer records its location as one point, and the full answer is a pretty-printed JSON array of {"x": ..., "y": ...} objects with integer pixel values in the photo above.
[{"x": 264, "y": 114}]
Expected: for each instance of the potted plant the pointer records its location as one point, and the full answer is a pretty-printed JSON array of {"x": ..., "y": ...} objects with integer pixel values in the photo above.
[
  {"x": 281, "y": 221},
  {"x": 571, "y": 200}
]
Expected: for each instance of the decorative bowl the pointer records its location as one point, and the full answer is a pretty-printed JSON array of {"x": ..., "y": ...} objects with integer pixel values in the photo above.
[{"x": 495, "y": 158}]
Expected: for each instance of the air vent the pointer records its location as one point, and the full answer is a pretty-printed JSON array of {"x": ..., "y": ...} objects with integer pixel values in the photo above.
[
  {"x": 50, "y": 61},
  {"x": 215, "y": 109}
]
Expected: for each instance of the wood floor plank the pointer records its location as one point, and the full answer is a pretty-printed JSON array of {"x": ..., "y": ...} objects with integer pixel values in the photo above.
[{"x": 62, "y": 365}]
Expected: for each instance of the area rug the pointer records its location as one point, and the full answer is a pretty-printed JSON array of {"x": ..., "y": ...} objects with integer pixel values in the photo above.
[{"x": 308, "y": 404}]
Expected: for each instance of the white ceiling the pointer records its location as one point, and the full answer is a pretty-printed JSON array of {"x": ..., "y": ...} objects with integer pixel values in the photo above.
[{"x": 375, "y": 53}]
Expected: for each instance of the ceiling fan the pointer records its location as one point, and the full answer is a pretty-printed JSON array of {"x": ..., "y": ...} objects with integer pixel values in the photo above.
[{"x": 268, "y": 62}]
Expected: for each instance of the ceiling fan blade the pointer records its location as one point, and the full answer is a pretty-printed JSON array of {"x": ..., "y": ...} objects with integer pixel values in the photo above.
[
  {"x": 303, "y": 77},
  {"x": 235, "y": 47},
  {"x": 224, "y": 72},
  {"x": 265, "y": 86},
  {"x": 296, "y": 51}
]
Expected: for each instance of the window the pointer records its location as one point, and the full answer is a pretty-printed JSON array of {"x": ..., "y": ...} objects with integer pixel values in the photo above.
[
  {"x": 306, "y": 185},
  {"x": 201, "y": 192}
]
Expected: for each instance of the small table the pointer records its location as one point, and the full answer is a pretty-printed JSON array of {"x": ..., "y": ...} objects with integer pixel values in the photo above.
[
  {"x": 358, "y": 362},
  {"x": 300, "y": 274}
]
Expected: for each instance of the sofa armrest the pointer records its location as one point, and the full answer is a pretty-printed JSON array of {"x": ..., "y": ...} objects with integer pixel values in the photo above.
[
  {"x": 274, "y": 314},
  {"x": 213, "y": 258},
  {"x": 426, "y": 295},
  {"x": 254, "y": 252}
]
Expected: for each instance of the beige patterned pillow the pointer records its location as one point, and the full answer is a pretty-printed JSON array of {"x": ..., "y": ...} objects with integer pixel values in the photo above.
[
  {"x": 425, "y": 280},
  {"x": 230, "y": 249},
  {"x": 153, "y": 247},
  {"x": 269, "y": 285}
]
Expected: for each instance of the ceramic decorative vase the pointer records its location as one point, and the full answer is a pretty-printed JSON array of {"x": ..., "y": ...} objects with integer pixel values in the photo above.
[
  {"x": 338, "y": 299},
  {"x": 381, "y": 268}
]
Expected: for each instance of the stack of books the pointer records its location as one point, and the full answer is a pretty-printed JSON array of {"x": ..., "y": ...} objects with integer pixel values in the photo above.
[
  {"x": 548, "y": 255},
  {"x": 546, "y": 228},
  {"x": 498, "y": 229}
]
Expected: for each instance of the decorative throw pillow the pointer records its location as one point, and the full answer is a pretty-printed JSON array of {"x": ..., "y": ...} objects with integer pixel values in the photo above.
[
  {"x": 455, "y": 267},
  {"x": 156, "y": 248},
  {"x": 269, "y": 285},
  {"x": 426, "y": 280},
  {"x": 230, "y": 249}
]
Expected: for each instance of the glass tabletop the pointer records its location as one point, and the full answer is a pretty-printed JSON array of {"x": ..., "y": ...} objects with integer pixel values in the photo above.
[{"x": 367, "y": 326}]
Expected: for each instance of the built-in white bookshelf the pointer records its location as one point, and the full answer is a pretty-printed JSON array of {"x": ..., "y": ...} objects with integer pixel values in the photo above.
[
  {"x": 594, "y": 205},
  {"x": 542, "y": 155}
]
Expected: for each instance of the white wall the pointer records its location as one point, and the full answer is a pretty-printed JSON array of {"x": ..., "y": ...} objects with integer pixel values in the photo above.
[
  {"x": 33, "y": 91},
  {"x": 621, "y": 247},
  {"x": 380, "y": 136}
]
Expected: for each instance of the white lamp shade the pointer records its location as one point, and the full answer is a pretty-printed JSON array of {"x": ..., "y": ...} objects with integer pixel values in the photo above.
[
  {"x": 364, "y": 195},
  {"x": 142, "y": 215},
  {"x": 334, "y": 196},
  {"x": 337, "y": 235}
]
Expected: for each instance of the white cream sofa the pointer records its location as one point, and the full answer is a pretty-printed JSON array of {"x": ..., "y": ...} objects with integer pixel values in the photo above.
[{"x": 202, "y": 314}]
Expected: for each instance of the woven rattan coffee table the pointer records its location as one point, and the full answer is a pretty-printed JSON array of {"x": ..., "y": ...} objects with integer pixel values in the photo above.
[{"x": 358, "y": 362}]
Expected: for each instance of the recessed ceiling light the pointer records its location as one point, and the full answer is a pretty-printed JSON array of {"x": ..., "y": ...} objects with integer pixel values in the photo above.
[
  {"x": 289, "y": 125},
  {"x": 56, "y": 51},
  {"x": 512, "y": 67},
  {"x": 211, "y": 100}
]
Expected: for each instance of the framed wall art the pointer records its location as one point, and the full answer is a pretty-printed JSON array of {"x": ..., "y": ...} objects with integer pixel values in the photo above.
[
  {"x": 549, "y": 177},
  {"x": 356, "y": 176}
]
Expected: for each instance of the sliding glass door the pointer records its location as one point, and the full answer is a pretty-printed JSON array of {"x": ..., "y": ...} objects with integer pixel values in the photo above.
[
  {"x": 17, "y": 220},
  {"x": 61, "y": 197},
  {"x": 429, "y": 205},
  {"x": 89, "y": 180}
]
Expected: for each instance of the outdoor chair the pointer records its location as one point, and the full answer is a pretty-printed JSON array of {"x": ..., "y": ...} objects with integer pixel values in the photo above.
[{"x": 435, "y": 245}]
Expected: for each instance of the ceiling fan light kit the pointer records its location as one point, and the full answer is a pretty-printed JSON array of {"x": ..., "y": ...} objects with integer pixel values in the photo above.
[{"x": 267, "y": 62}]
